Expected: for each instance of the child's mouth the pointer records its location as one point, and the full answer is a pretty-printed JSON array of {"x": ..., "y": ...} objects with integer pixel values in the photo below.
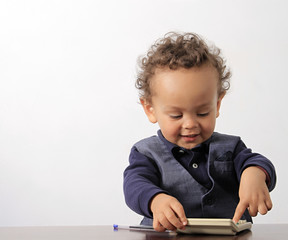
[{"x": 190, "y": 137}]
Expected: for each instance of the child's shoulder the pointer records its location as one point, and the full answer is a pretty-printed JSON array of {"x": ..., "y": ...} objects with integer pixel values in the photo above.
[
  {"x": 150, "y": 146},
  {"x": 222, "y": 143},
  {"x": 148, "y": 141},
  {"x": 223, "y": 137}
]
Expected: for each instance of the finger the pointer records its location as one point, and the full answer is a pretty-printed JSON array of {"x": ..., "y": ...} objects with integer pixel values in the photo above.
[
  {"x": 265, "y": 207},
  {"x": 253, "y": 209},
  {"x": 240, "y": 209},
  {"x": 166, "y": 219},
  {"x": 180, "y": 214},
  {"x": 174, "y": 221},
  {"x": 269, "y": 204},
  {"x": 157, "y": 226},
  {"x": 262, "y": 209}
]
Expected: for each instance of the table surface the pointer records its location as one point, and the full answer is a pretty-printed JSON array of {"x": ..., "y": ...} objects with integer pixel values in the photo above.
[{"x": 258, "y": 232}]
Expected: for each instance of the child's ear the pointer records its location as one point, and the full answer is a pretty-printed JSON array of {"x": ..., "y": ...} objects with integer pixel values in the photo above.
[
  {"x": 219, "y": 103},
  {"x": 149, "y": 110}
]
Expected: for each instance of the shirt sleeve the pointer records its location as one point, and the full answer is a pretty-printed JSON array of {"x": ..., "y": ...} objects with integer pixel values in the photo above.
[
  {"x": 244, "y": 157},
  {"x": 141, "y": 183}
]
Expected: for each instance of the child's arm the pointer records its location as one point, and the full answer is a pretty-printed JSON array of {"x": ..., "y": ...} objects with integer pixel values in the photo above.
[
  {"x": 141, "y": 183},
  {"x": 144, "y": 196},
  {"x": 253, "y": 193},
  {"x": 168, "y": 213}
]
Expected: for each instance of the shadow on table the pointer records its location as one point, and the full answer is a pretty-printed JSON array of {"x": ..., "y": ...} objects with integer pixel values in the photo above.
[{"x": 245, "y": 235}]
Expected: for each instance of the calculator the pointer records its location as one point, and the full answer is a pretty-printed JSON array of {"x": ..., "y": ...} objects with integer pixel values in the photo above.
[{"x": 217, "y": 226}]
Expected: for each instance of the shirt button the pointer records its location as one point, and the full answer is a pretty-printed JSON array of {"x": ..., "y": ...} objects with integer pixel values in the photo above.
[
  {"x": 195, "y": 165},
  {"x": 181, "y": 151}
]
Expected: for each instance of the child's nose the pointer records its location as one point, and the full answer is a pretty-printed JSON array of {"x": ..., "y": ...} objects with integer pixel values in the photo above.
[{"x": 190, "y": 123}]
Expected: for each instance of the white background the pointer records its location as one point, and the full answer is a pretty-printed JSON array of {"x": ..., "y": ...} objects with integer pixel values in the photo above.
[{"x": 69, "y": 111}]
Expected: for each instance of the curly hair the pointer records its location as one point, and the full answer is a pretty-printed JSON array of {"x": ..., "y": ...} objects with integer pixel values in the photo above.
[{"x": 180, "y": 51}]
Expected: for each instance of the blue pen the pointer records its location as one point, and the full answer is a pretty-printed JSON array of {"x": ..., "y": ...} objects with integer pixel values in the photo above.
[
  {"x": 135, "y": 228},
  {"x": 139, "y": 228}
]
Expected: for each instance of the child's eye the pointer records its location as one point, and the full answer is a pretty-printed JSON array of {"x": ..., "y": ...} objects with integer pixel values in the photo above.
[
  {"x": 203, "y": 114},
  {"x": 175, "y": 116}
]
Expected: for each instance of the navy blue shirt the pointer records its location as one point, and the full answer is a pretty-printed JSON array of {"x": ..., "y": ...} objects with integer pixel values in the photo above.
[{"x": 142, "y": 176}]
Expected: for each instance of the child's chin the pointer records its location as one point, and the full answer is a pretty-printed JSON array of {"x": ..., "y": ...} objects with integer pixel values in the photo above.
[{"x": 188, "y": 145}]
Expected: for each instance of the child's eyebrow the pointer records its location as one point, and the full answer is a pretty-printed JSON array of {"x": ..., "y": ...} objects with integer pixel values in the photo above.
[
  {"x": 179, "y": 108},
  {"x": 172, "y": 108},
  {"x": 204, "y": 105}
]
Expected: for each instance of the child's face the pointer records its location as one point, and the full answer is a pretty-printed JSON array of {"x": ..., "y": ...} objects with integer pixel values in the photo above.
[{"x": 185, "y": 103}]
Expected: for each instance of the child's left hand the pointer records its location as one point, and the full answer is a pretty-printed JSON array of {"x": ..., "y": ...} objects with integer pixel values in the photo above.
[{"x": 253, "y": 194}]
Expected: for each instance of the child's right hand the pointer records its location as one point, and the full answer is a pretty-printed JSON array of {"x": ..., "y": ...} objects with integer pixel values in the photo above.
[{"x": 168, "y": 213}]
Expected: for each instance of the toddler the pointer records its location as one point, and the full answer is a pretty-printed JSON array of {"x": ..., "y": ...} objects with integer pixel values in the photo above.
[{"x": 188, "y": 170}]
